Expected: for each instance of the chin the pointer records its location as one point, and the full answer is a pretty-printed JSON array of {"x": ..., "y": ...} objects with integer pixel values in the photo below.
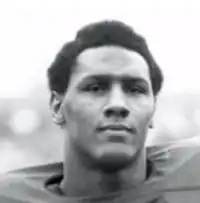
[{"x": 111, "y": 159}]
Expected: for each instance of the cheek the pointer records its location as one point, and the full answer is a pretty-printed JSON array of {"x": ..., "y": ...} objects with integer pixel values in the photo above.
[
  {"x": 81, "y": 110},
  {"x": 143, "y": 110},
  {"x": 142, "y": 114}
]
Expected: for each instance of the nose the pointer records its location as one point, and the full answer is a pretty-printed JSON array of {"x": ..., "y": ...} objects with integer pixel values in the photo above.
[
  {"x": 117, "y": 105},
  {"x": 116, "y": 111}
]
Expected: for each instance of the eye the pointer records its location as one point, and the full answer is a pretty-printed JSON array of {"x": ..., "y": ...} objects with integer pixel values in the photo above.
[
  {"x": 96, "y": 88},
  {"x": 135, "y": 89}
]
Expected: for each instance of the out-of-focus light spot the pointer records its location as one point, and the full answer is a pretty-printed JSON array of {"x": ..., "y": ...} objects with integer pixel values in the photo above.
[{"x": 25, "y": 121}]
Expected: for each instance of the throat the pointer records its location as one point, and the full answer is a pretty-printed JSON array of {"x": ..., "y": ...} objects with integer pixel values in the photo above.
[
  {"x": 79, "y": 181},
  {"x": 94, "y": 185}
]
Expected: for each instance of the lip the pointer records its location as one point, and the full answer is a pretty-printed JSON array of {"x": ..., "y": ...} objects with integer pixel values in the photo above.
[{"x": 115, "y": 128}]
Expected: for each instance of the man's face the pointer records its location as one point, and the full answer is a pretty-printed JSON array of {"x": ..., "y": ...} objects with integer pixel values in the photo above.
[{"x": 108, "y": 105}]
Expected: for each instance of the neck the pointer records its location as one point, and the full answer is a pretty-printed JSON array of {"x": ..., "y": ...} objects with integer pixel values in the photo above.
[{"x": 80, "y": 181}]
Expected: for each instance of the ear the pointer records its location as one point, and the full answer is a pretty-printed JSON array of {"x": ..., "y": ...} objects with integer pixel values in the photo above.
[
  {"x": 155, "y": 104},
  {"x": 55, "y": 104},
  {"x": 151, "y": 126}
]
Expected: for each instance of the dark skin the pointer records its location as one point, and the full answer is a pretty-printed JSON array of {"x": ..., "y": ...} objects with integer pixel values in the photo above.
[{"x": 109, "y": 85}]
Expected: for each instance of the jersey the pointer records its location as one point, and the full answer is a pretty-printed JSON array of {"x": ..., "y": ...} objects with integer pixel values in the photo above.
[{"x": 174, "y": 178}]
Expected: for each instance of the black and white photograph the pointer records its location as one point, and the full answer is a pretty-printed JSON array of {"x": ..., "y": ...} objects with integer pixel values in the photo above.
[{"x": 99, "y": 101}]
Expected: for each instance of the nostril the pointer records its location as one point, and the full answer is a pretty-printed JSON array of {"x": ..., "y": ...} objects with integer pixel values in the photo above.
[
  {"x": 108, "y": 112},
  {"x": 119, "y": 112},
  {"x": 124, "y": 113}
]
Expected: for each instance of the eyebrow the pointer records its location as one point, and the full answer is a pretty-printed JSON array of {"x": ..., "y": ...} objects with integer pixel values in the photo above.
[{"x": 123, "y": 78}]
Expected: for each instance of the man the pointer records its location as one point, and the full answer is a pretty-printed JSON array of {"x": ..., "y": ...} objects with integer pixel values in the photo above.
[{"x": 104, "y": 86}]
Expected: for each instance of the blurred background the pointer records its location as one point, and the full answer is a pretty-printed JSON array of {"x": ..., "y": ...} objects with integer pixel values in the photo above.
[{"x": 32, "y": 32}]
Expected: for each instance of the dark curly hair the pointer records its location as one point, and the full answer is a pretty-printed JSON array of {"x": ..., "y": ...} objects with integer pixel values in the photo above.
[{"x": 96, "y": 35}]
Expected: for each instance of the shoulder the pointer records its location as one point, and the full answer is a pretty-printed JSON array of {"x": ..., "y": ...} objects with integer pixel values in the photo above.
[
  {"x": 37, "y": 171},
  {"x": 178, "y": 151},
  {"x": 25, "y": 185},
  {"x": 177, "y": 163}
]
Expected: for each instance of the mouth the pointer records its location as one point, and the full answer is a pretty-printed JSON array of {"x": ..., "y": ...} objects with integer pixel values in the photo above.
[
  {"x": 116, "y": 128},
  {"x": 116, "y": 133}
]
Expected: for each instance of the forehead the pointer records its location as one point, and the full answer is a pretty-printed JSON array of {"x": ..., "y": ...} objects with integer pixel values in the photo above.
[{"x": 111, "y": 60}]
